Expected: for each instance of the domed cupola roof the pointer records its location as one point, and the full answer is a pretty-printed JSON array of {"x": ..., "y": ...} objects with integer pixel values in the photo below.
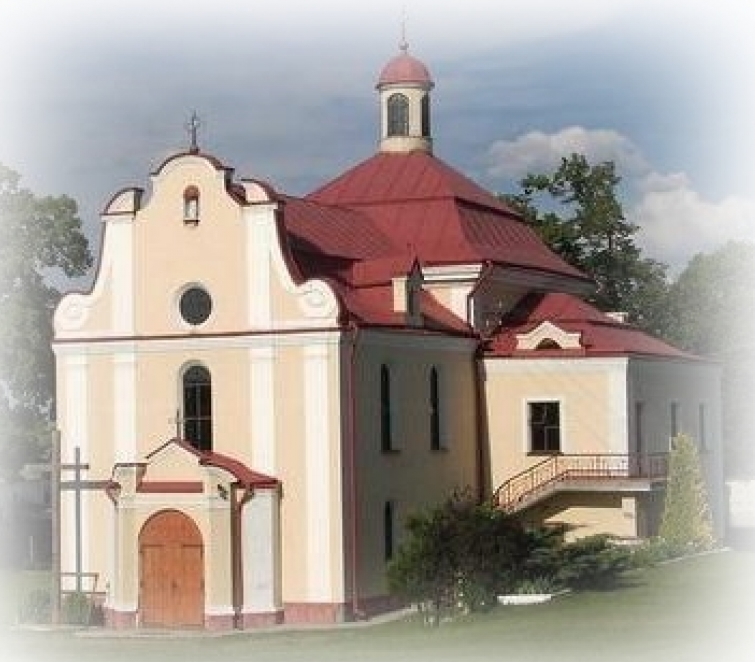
[{"x": 405, "y": 68}]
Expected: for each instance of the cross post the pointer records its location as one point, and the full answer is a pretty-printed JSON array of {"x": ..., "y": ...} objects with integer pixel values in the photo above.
[
  {"x": 178, "y": 421},
  {"x": 192, "y": 126},
  {"x": 77, "y": 486}
]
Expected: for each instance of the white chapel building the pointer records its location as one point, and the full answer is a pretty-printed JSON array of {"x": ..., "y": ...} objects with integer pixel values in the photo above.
[{"x": 267, "y": 385}]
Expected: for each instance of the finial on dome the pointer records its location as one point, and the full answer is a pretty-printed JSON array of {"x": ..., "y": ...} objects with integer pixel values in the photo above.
[{"x": 403, "y": 44}]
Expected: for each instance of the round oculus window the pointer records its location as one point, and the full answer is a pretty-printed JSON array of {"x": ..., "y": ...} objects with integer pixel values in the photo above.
[{"x": 195, "y": 305}]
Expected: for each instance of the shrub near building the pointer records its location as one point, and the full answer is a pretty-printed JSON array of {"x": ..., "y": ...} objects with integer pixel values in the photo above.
[{"x": 461, "y": 554}]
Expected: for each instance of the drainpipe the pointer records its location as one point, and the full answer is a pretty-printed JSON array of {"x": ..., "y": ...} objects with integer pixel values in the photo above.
[
  {"x": 483, "y": 456},
  {"x": 356, "y": 609},
  {"x": 237, "y": 569}
]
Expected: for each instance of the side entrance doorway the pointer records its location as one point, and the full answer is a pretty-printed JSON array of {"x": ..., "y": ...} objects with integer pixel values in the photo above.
[{"x": 171, "y": 572}]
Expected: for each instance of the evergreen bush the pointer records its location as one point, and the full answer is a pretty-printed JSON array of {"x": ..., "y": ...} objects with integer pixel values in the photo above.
[
  {"x": 459, "y": 556},
  {"x": 592, "y": 563},
  {"x": 686, "y": 525}
]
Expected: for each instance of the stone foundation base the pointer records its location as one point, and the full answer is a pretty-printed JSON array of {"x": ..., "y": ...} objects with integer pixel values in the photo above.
[
  {"x": 218, "y": 622},
  {"x": 120, "y": 620},
  {"x": 261, "y": 620},
  {"x": 293, "y": 613},
  {"x": 314, "y": 612},
  {"x": 310, "y": 612}
]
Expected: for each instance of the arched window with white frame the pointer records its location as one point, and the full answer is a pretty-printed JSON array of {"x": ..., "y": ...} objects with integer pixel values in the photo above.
[
  {"x": 398, "y": 115},
  {"x": 196, "y": 386},
  {"x": 191, "y": 205}
]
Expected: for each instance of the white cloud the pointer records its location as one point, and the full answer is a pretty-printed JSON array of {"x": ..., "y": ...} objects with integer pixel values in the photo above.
[
  {"x": 542, "y": 152},
  {"x": 675, "y": 220}
]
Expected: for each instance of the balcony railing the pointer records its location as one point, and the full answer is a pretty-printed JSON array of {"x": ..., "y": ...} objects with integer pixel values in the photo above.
[{"x": 530, "y": 485}]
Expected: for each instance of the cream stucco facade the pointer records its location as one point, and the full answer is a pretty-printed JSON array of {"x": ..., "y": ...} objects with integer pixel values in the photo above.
[
  {"x": 284, "y": 375},
  {"x": 610, "y": 408}
]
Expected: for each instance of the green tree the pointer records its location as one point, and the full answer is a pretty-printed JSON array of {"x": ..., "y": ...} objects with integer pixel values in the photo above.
[
  {"x": 41, "y": 243},
  {"x": 458, "y": 556},
  {"x": 686, "y": 523},
  {"x": 710, "y": 313},
  {"x": 577, "y": 212}
]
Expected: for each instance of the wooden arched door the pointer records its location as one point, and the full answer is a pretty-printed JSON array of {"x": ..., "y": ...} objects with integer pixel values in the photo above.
[{"x": 171, "y": 571}]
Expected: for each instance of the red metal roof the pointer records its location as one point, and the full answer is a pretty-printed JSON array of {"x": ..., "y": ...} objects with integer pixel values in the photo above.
[
  {"x": 373, "y": 305},
  {"x": 426, "y": 207},
  {"x": 332, "y": 230},
  {"x": 404, "y": 68},
  {"x": 600, "y": 333},
  {"x": 242, "y": 473},
  {"x": 390, "y": 177}
]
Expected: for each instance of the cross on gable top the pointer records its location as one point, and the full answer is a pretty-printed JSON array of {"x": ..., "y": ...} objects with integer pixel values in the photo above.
[{"x": 192, "y": 127}]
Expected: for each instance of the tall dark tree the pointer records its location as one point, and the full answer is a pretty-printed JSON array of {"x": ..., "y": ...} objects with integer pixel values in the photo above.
[
  {"x": 41, "y": 243},
  {"x": 577, "y": 211}
]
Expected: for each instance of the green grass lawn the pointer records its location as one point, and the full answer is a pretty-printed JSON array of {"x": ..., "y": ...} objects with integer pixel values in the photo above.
[{"x": 697, "y": 609}]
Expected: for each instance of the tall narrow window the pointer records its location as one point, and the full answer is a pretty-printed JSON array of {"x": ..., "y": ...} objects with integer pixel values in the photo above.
[
  {"x": 197, "y": 407},
  {"x": 545, "y": 427},
  {"x": 702, "y": 425},
  {"x": 425, "y": 114},
  {"x": 435, "y": 440},
  {"x": 674, "y": 422},
  {"x": 388, "y": 532},
  {"x": 398, "y": 115},
  {"x": 640, "y": 461},
  {"x": 191, "y": 205},
  {"x": 386, "y": 432},
  {"x": 639, "y": 431}
]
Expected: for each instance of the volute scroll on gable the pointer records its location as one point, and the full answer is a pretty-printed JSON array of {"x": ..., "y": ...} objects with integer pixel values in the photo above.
[
  {"x": 317, "y": 301},
  {"x": 277, "y": 296}
]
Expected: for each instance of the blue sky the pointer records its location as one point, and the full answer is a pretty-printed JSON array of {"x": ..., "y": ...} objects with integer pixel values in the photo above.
[{"x": 97, "y": 93}]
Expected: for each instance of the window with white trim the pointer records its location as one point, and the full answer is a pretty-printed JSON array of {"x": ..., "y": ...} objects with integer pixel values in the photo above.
[
  {"x": 191, "y": 205},
  {"x": 398, "y": 115},
  {"x": 545, "y": 426},
  {"x": 197, "y": 407}
]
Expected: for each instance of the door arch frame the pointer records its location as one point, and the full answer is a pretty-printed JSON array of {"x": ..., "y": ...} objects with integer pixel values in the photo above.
[{"x": 171, "y": 551}]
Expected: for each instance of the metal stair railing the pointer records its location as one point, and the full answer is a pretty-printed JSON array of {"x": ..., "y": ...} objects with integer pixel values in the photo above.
[{"x": 530, "y": 485}]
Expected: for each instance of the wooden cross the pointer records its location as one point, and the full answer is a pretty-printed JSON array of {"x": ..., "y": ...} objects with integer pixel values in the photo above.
[{"x": 77, "y": 486}]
